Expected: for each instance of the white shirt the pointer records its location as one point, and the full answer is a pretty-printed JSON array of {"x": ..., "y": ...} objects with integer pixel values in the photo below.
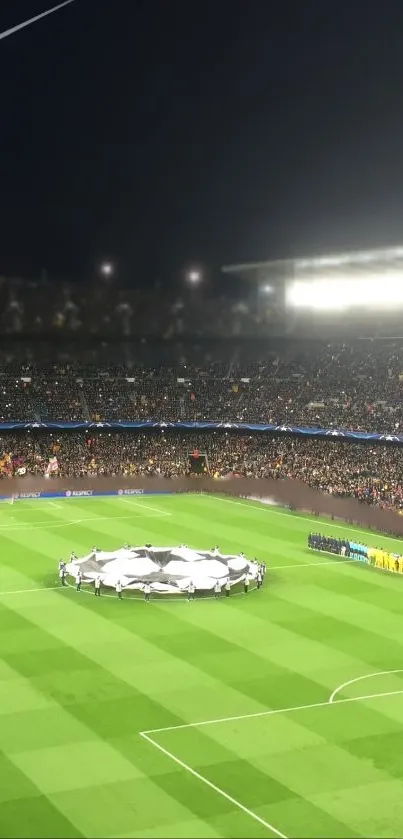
[
  {"x": 228, "y": 585},
  {"x": 147, "y": 589},
  {"x": 192, "y": 588},
  {"x": 98, "y": 582},
  {"x": 217, "y": 587},
  {"x": 118, "y": 586}
]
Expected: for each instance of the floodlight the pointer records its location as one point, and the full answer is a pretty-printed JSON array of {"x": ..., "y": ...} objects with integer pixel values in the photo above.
[
  {"x": 194, "y": 277},
  {"x": 106, "y": 269}
]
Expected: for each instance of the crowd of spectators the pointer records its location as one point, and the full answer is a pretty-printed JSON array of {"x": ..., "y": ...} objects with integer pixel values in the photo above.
[
  {"x": 371, "y": 473},
  {"x": 356, "y": 386}
]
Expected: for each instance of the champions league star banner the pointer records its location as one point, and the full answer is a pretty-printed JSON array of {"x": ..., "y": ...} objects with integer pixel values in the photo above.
[{"x": 336, "y": 434}]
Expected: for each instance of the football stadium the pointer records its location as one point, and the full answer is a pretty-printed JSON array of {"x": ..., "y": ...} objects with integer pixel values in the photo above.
[{"x": 183, "y": 652}]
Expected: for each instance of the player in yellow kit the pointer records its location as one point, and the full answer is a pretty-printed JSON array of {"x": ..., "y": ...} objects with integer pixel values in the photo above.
[
  {"x": 371, "y": 555},
  {"x": 379, "y": 559}
]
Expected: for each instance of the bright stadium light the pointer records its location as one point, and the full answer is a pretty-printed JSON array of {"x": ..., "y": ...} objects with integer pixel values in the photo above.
[
  {"x": 266, "y": 288},
  {"x": 347, "y": 292},
  {"x": 194, "y": 277},
  {"x": 106, "y": 269}
]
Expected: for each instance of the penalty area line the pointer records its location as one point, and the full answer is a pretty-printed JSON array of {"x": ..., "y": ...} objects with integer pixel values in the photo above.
[
  {"x": 212, "y": 786},
  {"x": 273, "y": 711},
  {"x": 330, "y": 703},
  {"x": 39, "y": 525},
  {"x": 135, "y": 503}
]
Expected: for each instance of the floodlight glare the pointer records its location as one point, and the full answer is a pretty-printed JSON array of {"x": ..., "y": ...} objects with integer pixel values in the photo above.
[
  {"x": 194, "y": 277},
  {"x": 106, "y": 269},
  {"x": 348, "y": 292}
]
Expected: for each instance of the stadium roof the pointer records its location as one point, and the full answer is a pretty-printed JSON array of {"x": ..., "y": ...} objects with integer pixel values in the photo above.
[{"x": 372, "y": 260}]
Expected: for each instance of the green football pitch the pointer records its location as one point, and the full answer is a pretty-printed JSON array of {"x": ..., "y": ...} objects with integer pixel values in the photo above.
[{"x": 277, "y": 713}]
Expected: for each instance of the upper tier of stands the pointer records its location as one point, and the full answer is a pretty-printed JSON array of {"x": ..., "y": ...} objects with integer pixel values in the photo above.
[
  {"x": 356, "y": 386},
  {"x": 102, "y": 309},
  {"x": 42, "y": 308}
]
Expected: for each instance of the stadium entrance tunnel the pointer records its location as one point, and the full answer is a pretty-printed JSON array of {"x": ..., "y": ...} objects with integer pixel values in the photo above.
[{"x": 148, "y": 571}]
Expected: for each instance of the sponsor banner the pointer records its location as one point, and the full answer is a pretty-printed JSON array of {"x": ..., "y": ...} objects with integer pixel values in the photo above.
[
  {"x": 131, "y": 492},
  {"x": 82, "y": 493},
  {"x": 335, "y": 433}
]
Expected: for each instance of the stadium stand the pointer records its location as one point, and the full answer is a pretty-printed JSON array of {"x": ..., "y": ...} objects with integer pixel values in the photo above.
[
  {"x": 356, "y": 386},
  {"x": 97, "y": 354},
  {"x": 371, "y": 473}
]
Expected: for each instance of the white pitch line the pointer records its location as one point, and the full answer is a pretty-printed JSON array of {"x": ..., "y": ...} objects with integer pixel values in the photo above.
[
  {"x": 180, "y": 599},
  {"x": 212, "y": 786},
  {"x": 361, "y": 679},
  {"x": 146, "y": 506},
  {"x": 273, "y": 712},
  {"x": 334, "y": 563},
  {"x": 29, "y": 590},
  {"x": 53, "y": 504},
  {"x": 45, "y": 525},
  {"x": 265, "y": 508},
  {"x": 19, "y": 26},
  {"x": 146, "y": 735}
]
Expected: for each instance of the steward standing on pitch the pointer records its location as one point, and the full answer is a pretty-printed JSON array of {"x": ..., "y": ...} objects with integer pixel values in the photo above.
[{"x": 62, "y": 572}]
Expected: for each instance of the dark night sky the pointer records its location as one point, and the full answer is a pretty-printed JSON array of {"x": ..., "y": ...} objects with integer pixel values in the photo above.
[{"x": 160, "y": 132}]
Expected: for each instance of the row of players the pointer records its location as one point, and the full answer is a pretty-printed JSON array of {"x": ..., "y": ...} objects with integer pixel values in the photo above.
[
  {"x": 358, "y": 551},
  {"x": 318, "y": 542}
]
